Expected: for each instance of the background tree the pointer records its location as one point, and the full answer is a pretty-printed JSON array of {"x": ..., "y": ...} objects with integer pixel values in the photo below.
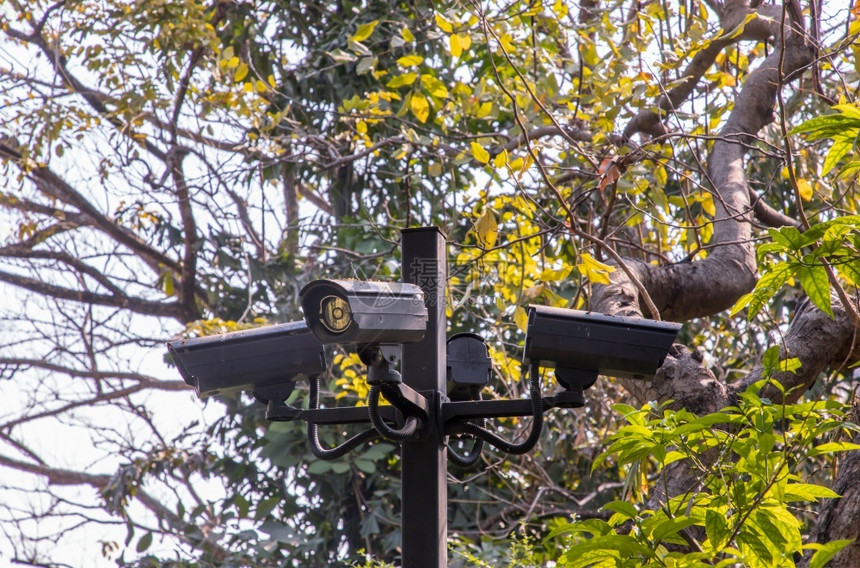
[{"x": 186, "y": 167}]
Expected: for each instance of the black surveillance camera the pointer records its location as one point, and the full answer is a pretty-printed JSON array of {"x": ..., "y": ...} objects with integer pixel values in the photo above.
[
  {"x": 364, "y": 312},
  {"x": 265, "y": 359},
  {"x": 581, "y": 345},
  {"x": 468, "y": 366}
]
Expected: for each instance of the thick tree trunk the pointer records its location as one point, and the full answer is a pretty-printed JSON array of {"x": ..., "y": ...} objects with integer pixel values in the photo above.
[
  {"x": 695, "y": 289},
  {"x": 840, "y": 518}
]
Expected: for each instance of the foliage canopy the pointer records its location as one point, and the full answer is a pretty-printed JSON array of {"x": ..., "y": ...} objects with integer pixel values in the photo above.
[{"x": 186, "y": 166}]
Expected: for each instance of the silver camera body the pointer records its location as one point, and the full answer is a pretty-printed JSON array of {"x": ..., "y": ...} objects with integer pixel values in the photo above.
[
  {"x": 356, "y": 312},
  {"x": 251, "y": 359}
]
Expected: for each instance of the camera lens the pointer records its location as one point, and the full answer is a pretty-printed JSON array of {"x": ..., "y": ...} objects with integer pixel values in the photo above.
[{"x": 335, "y": 314}]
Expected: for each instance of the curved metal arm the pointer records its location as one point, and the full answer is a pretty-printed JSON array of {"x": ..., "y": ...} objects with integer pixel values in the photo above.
[
  {"x": 468, "y": 460},
  {"x": 313, "y": 431},
  {"x": 537, "y": 422},
  {"x": 386, "y": 431}
]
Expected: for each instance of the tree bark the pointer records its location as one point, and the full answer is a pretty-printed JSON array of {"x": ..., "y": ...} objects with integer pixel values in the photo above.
[
  {"x": 840, "y": 518},
  {"x": 691, "y": 290}
]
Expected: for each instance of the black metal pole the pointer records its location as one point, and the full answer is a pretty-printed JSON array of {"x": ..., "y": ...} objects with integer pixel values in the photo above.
[{"x": 425, "y": 463}]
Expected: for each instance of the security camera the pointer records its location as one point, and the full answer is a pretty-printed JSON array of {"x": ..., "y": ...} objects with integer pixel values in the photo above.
[
  {"x": 364, "y": 312},
  {"x": 468, "y": 366},
  {"x": 581, "y": 345},
  {"x": 265, "y": 359}
]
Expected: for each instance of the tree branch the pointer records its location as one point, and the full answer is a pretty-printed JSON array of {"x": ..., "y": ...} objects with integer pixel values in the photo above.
[
  {"x": 161, "y": 309},
  {"x": 54, "y": 186}
]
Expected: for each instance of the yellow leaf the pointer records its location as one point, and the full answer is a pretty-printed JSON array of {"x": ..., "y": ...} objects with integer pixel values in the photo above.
[
  {"x": 420, "y": 107},
  {"x": 465, "y": 41},
  {"x": 241, "y": 72},
  {"x": 487, "y": 229},
  {"x": 407, "y": 35},
  {"x": 708, "y": 204},
  {"x": 479, "y": 153},
  {"x": 434, "y": 169},
  {"x": 364, "y": 30},
  {"x": 521, "y": 318},
  {"x": 402, "y": 80},
  {"x": 454, "y": 46},
  {"x": 661, "y": 176},
  {"x": 550, "y": 275},
  {"x": 271, "y": 80},
  {"x": 804, "y": 188},
  {"x": 434, "y": 86},
  {"x": 594, "y": 270},
  {"x": 485, "y": 109},
  {"x": 443, "y": 24},
  {"x": 501, "y": 159},
  {"x": 410, "y": 60},
  {"x": 533, "y": 291}
]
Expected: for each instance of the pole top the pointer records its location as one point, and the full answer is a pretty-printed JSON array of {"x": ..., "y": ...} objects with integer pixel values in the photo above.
[{"x": 424, "y": 230}]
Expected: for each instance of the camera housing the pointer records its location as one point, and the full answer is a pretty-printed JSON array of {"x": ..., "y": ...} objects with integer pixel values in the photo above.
[
  {"x": 360, "y": 312},
  {"x": 468, "y": 366},
  {"x": 262, "y": 359},
  {"x": 581, "y": 345}
]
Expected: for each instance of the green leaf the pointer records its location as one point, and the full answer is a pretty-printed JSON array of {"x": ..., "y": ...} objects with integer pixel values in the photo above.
[
  {"x": 670, "y": 527},
  {"x": 817, "y": 287},
  {"x": 840, "y": 147},
  {"x": 366, "y": 466},
  {"x": 776, "y": 530},
  {"x": 849, "y": 110},
  {"x": 366, "y": 64},
  {"x": 364, "y": 30},
  {"x": 766, "y": 287},
  {"x": 851, "y": 271},
  {"x": 788, "y": 237},
  {"x": 742, "y": 302},
  {"x": 622, "y": 507},
  {"x": 756, "y": 553},
  {"x": 279, "y": 532},
  {"x": 319, "y": 467},
  {"x": 827, "y": 126},
  {"x": 265, "y": 507},
  {"x": 831, "y": 447},
  {"x": 825, "y": 552},
  {"x": 608, "y": 546},
  {"x": 770, "y": 358},
  {"x": 144, "y": 542},
  {"x": 717, "y": 528}
]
